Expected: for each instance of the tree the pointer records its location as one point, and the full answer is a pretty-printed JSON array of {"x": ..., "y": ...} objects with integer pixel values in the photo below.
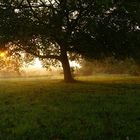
[
  {"x": 10, "y": 64},
  {"x": 49, "y": 29}
]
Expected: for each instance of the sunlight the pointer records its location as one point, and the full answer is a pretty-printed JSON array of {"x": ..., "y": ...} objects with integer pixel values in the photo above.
[
  {"x": 37, "y": 63},
  {"x": 75, "y": 64},
  {"x": 2, "y": 54}
]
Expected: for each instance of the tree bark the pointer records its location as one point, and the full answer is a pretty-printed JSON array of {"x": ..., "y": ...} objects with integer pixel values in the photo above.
[{"x": 66, "y": 67}]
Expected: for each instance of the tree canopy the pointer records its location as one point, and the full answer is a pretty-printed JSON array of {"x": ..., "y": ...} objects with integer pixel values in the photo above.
[{"x": 49, "y": 29}]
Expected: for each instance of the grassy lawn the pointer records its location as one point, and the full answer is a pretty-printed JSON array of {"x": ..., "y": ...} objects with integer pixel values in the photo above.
[{"x": 95, "y": 108}]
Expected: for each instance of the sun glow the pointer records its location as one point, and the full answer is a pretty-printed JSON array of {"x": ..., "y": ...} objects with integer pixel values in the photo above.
[
  {"x": 75, "y": 64},
  {"x": 2, "y": 54},
  {"x": 37, "y": 63}
]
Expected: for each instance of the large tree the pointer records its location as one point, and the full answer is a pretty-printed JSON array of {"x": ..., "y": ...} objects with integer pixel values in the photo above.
[{"x": 49, "y": 29}]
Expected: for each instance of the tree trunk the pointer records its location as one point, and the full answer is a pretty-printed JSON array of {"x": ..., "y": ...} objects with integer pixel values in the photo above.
[{"x": 66, "y": 67}]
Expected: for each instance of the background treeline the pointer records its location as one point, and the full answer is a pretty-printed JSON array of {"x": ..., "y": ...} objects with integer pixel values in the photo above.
[{"x": 109, "y": 65}]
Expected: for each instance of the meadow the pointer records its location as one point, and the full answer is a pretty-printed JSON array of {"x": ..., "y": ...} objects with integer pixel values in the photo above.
[{"x": 93, "y": 108}]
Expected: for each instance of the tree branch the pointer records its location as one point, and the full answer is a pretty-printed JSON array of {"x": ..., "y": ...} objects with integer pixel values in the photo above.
[
  {"x": 46, "y": 56},
  {"x": 38, "y": 55}
]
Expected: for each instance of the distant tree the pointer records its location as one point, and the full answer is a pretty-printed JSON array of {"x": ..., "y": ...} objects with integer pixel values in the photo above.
[
  {"x": 49, "y": 29},
  {"x": 10, "y": 64}
]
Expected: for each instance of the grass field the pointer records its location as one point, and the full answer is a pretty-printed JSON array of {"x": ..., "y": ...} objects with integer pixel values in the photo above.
[{"x": 94, "y": 108}]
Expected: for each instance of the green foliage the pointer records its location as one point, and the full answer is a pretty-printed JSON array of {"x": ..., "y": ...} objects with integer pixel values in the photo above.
[{"x": 39, "y": 109}]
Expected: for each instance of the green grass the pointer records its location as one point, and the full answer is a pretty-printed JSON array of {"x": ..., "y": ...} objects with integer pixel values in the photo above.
[{"x": 95, "y": 108}]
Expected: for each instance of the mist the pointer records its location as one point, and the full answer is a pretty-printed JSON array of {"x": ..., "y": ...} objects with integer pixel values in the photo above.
[
  {"x": 83, "y": 68},
  {"x": 109, "y": 65}
]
